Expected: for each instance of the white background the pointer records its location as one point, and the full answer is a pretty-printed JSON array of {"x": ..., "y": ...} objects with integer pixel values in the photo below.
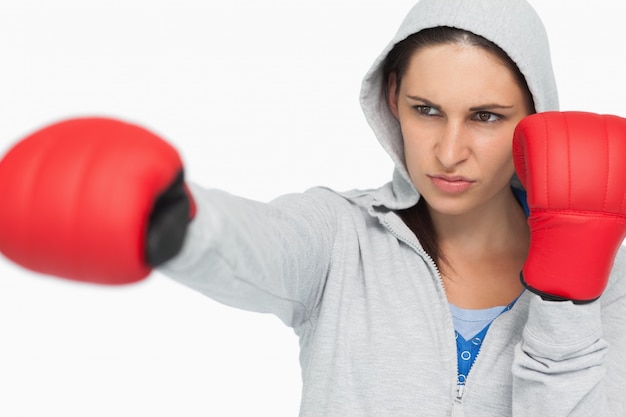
[{"x": 261, "y": 98}]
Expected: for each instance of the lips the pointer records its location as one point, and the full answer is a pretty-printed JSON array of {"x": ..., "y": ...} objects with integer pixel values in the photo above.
[{"x": 451, "y": 184}]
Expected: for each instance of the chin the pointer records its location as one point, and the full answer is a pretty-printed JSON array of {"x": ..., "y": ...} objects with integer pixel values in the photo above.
[
  {"x": 454, "y": 206},
  {"x": 449, "y": 211}
]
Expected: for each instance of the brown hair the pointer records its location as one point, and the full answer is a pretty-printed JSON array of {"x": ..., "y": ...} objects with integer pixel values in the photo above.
[{"x": 417, "y": 218}]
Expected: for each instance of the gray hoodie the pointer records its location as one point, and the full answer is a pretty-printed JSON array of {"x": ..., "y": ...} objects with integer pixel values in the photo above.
[{"x": 368, "y": 304}]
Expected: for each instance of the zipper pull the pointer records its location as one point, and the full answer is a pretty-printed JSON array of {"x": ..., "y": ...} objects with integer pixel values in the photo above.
[
  {"x": 457, "y": 405},
  {"x": 459, "y": 392}
]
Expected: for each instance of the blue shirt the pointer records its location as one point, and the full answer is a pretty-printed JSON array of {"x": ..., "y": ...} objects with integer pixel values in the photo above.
[{"x": 470, "y": 329}]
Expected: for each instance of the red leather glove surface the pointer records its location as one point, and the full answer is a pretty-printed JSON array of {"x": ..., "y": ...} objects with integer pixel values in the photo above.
[
  {"x": 79, "y": 198},
  {"x": 573, "y": 166}
]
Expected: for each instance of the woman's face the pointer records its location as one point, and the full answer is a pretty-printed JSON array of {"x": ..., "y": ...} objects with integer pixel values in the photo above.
[{"x": 458, "y": 106}]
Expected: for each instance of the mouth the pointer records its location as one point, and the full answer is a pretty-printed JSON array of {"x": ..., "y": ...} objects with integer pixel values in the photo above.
[{"x": 451, "y": 184}]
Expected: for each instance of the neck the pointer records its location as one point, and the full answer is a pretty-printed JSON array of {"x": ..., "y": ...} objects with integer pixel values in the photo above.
[
  {"x": 483, "y": 252},
  {"x": 489, "y": 228}
]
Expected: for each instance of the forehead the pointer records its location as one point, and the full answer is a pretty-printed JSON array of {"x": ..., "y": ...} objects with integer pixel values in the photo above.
[{"x": 460, "y": 73}]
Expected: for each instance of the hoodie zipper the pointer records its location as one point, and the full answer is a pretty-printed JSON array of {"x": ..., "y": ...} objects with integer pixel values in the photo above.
[{"x": 457, "y": 403}]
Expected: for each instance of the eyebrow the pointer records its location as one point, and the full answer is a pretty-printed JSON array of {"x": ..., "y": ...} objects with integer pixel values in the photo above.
[
  {"x": 423, "y": 100},
  {"x": 482, "y": 107},
  {"x": 491, "y": 106}
]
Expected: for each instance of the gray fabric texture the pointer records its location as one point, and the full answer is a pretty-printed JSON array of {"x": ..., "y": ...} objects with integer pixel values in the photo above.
[{"x": 368, "y": 304}]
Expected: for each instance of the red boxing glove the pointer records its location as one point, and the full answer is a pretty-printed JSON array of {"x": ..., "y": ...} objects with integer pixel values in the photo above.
[
  {"x": 573, "y": 166},
  {"x": 94, "y": 200}
]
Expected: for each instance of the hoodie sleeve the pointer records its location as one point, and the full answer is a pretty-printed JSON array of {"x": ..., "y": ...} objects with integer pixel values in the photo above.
[
  {"x": 263, "y": 257},
  {"x": 571, "y": 359}
]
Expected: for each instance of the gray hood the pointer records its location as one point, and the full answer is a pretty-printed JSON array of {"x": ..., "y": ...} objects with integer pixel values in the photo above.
[{"x": 513, "y": 25}]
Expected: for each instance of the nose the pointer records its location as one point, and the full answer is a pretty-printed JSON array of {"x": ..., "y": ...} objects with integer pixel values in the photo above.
[{"x": 452, "y": 147}]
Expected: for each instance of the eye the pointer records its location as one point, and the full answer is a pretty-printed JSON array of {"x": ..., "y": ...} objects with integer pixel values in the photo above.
[
  {"x": 426, "y": 110},
  {"x": 486, "y": 117}
]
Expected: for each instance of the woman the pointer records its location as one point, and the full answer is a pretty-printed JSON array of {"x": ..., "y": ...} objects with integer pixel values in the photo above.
[
  {"x": 393, "y": 291},
  {"x": 407, "y": 299}
]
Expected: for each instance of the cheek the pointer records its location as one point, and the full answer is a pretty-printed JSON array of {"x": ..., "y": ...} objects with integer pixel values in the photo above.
[
  {"x": 415, "y": 148},
  {"x": 497, "y": 157},
  {"x": 416, "y": 133},
  {"x": 419, "y": 161}
]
